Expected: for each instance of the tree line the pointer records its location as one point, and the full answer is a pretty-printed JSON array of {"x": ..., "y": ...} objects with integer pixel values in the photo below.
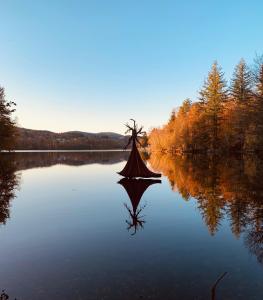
[
  {"x": 224, "y": 118},
  {"x": 7, "y": 124}
]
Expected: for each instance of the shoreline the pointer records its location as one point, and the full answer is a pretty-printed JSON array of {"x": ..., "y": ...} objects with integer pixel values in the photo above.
[{"x": 54, "y": 150}]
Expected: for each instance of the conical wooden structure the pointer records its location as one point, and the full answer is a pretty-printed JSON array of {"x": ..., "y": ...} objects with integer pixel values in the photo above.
[{"x": 135, "y": 167}]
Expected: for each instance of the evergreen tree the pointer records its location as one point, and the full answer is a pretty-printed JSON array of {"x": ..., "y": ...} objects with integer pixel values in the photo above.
[
  {"x": 258, "y": 76},
  {"x": 186, "y": 106},
  {"x": 7, "y": 125},
  {"x": 258, "y": 102},
  {"x": 172, "y": 117},
  {"x": 241, "y": 93},
  {"x": 259, "y": 83},
  {"x": 212, "y": 98},
  {"x": 241, "y": 84},
  {"x": 183, "y": 120}
]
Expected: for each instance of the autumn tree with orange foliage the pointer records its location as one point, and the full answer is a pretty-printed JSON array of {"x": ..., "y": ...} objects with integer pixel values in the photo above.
[{"x": 223, "y": 119}]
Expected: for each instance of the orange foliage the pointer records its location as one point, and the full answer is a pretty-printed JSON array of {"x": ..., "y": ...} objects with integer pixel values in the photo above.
[{"x": 222, "y": 188}]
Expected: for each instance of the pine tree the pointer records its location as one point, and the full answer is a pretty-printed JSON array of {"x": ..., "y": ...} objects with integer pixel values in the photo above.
[
  {"x": 241, "y": 93},
  {"x": 257, "y": 72},
  {"x": 259, "y": 83},
  {"x": 172, "y": 117},
  {"x": 258, "y": 103},
  {"x": 186, "y": 106},
  {"x": 7, "y": 125},
  {"x": 241, "y": 83},
  {"x": 212, "y": 98}
]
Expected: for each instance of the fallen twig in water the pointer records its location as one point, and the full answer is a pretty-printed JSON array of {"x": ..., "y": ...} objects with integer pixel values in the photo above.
[{"x": 213, "y": 290}]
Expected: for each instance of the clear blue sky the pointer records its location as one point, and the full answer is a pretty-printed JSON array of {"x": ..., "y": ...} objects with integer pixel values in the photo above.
[{"x": 92, "y": 65}]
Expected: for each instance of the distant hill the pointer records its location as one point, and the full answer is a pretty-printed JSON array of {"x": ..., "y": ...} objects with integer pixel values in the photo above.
[{"x": 29, "y": 139}]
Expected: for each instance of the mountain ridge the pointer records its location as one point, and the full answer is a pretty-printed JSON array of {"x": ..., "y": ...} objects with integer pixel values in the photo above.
[{"x": 34, "y": 139}]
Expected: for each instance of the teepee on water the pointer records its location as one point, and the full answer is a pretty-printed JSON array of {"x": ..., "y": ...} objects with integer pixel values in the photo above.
[{"x": 135, "y": 167}]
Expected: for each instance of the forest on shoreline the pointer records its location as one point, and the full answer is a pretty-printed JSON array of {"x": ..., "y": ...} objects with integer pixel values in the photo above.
[{"x": 225, "y": 118}]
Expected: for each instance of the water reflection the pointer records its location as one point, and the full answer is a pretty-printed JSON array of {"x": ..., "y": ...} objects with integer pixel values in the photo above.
[
  {"x": 9, "y": 182},
  {"x": 135, "y": 189},
  {"x": 11, "y": 163},
  {"x": 92, "y": 257},
  {"x": 28, "y": 160},
  {"x": 224, "y": 188}
]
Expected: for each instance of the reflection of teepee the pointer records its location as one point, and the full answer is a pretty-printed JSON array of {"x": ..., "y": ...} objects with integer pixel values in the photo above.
[
  {"x": 135, "y": 189},
  {"x": 135, "y": 167}
]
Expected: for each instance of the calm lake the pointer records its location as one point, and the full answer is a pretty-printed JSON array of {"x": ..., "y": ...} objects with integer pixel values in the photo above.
[{"x": 69, "y": 230}]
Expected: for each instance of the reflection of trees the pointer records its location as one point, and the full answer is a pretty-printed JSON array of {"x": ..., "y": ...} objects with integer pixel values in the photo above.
[
  {"x": 231, "y": 187},
  {"x": 28, "y": 160},
  {"x": 9, "y": 182},
  {"x": 254, "y": 241},
  {"x": 12, "y": 162}
]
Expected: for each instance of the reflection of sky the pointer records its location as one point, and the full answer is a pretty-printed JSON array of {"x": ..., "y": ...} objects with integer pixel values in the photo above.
[
  {"x": 67, "y": 234},
  {"x": 93, "y": 65}
]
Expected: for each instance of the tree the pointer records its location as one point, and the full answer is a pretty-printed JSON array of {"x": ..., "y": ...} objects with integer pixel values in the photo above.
[
  {"x": 223, "y": 120},
  {"x": 212, "y": 97},
  {"x": 172, "y": 117},
  {"x": 260, "y": 83},
  {"x": 185, "y": 107},
  {"x": 258, "y": 102},
  {"x": 241, "y": 83},
  {"x": 7, "y": 125},
  {"x": 241, "y": 93}
]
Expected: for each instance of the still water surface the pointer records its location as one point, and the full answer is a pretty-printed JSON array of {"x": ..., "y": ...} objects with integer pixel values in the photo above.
[{"x": 68, "y": 230}]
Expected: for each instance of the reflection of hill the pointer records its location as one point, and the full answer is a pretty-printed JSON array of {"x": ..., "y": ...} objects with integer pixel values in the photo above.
[
  {"x": 231, "y": 187},
  {"x": 28, "y": 160},
  {"x": 10, "y": 163}
]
